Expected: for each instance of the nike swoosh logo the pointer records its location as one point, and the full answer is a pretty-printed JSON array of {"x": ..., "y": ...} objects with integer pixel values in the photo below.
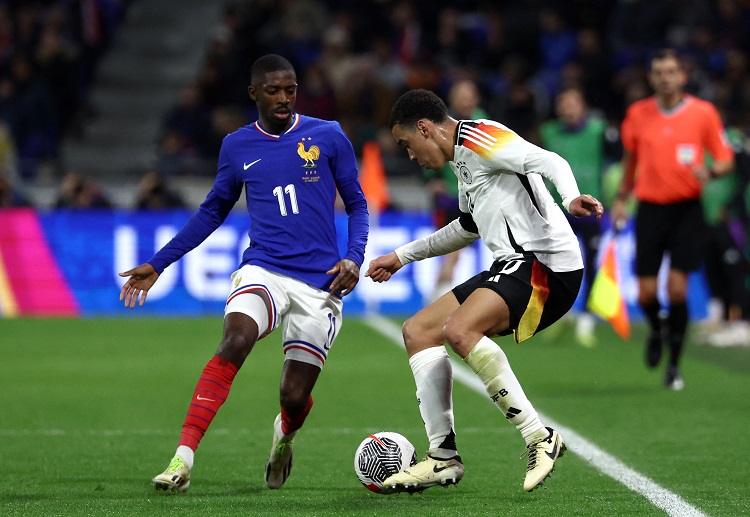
[
  {"x": 437, "y": 469},
  {"x": 552, "y": 455},
  {"x": 246, "y": 166},
  {"x": 204, "y": 398}
]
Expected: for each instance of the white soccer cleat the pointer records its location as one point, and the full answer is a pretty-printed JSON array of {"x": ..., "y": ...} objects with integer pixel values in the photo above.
[
  {"x": 541, "y": 456},
  {"x": 585, "y": 330},
  {"x": 279, "y": 463},
  {"x": 429, "y": 472},
  {"x": 673, "y": 379},
  {"x": 175, "y": 479}
]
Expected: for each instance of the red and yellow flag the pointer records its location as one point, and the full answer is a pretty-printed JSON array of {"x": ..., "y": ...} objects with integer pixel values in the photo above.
[{"x": 605, "y": 298}]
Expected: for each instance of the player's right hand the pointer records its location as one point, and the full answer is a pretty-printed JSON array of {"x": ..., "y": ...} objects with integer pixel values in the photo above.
[
  {"x": 382, "y": 268},
  {"x": 140, "y": 281}
]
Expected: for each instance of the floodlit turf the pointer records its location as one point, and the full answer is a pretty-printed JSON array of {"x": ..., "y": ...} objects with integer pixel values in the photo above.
[{"x": 92, "y": 409}]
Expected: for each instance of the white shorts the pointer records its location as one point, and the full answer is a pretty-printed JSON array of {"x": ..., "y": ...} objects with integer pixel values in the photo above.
[{"x": 310, "y": 318}]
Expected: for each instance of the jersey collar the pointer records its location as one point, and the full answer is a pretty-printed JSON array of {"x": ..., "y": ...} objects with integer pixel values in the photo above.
[
  {"x": 295, "y": 122},
  {"x": 677, "y": 107}
]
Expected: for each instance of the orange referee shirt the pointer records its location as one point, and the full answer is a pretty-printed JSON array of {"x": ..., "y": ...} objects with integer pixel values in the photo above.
[{"x": 666, "y": 144}]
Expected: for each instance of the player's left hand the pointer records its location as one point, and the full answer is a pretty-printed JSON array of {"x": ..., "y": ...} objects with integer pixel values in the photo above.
[
  {"x": 382, "y": 268},
  {"x": 347, "y": 276},
  {"x": 586, "y": 205}
]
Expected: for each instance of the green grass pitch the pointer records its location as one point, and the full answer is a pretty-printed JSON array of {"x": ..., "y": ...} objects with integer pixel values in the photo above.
[{"x": 92, "y": 410}]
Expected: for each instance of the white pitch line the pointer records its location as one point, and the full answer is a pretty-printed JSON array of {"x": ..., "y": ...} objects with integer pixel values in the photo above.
[{"x": 602, "y": 461}]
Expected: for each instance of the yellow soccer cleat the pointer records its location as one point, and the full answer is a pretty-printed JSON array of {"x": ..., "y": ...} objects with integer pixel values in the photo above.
[
  {"x": 175, "y": 479},
  {"x": 431, "y": 471},
  {"x": 541, "y": 456},
  {"x": 279, "y": 463}
]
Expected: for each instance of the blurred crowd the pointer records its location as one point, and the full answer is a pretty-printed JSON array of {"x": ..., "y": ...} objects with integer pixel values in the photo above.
[
  {"x": 354, "y": 58},
  {"x": 49, "y": 50}
]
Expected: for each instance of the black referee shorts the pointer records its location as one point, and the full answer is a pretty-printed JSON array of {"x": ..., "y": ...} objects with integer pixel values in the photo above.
[
  {"x": 676, "y": 229},
  {"x": 536, "y": 296}
]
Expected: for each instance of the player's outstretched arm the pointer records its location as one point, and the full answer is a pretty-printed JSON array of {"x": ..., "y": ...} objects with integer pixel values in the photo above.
[
  {"x": 347, "y": 277},
  {"x": 382, "y": 268},
  {"x": 139, "y": 282},
  {"x": 586, "y": 205}
]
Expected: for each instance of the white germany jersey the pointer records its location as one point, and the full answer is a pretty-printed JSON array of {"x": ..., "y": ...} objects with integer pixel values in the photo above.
[{"x": 501, "y": 185}]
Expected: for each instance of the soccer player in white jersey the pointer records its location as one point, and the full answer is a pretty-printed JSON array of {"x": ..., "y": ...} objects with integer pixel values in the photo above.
[
  {"x": 290, "y": 167},
  {"x": 533, "y": 281}
]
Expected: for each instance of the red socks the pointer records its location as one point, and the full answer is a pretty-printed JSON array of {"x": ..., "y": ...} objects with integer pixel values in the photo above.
[
  {"x": 210, "y": 393},
  {"x": 290, "y": 424}
]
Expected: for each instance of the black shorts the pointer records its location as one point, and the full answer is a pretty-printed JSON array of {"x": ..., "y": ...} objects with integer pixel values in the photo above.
[
  {"x": 675, "y": 228},
  {"x": 536, "y": 296}
]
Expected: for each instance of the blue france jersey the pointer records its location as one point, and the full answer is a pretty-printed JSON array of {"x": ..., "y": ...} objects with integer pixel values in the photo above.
[{"x": 290, "y": 183}]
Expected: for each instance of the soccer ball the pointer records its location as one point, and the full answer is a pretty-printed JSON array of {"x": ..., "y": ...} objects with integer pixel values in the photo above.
[{"x": 380, "y": 455}]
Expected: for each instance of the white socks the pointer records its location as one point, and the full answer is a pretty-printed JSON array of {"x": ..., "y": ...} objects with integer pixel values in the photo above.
[
  {"x": 490, "y": 363},
  {"x": 187, "y": 454},
  {"x": 433, "y": 375}
]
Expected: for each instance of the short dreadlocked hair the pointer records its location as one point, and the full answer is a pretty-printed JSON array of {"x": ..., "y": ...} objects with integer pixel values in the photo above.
[
  {"x": 418, "y": 104},
  {"x": 267, "y": 64}
]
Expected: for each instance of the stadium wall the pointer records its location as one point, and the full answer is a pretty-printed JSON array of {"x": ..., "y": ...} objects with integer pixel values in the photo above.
[{"x": 66, "y": 263}]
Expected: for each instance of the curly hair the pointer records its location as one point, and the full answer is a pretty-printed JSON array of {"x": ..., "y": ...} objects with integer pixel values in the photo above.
[
  {"x": 418, "y": 104},
  {"x": 267, "y": 64}
]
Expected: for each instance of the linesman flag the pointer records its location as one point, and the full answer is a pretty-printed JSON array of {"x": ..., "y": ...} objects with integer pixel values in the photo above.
[{"x": 605, "y": 298}]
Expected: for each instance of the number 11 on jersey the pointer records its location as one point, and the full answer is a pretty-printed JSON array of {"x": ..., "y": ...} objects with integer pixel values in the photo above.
[{"x": 279, "y": 193}]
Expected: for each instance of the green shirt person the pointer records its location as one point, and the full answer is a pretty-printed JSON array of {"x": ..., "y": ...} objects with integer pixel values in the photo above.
[{"x": 578, "y": 136}]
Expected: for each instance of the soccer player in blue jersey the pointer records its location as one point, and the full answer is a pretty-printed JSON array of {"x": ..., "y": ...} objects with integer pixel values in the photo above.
[{"x": 291, "y": 167}]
